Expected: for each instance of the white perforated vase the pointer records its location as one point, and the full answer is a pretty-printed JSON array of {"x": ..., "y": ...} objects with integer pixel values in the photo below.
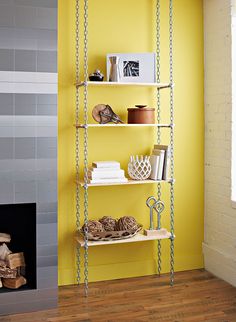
[{"x": 139, "y": 167}]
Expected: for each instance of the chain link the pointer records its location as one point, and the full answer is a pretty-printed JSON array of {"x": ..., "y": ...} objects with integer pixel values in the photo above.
[
  {"x": 158, "y": 71},
  {"x": 171, "y": 145},
  {"x": 77, "y": 136},
  {"x": 158, "y": 57},
  {"x": 86, "y": 145}
]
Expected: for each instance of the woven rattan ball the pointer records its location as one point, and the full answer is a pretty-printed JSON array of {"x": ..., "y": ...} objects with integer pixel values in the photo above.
[
  {"x": 127, "y": 223},
  {"x": 94, "y": 226},
  {"x": 109, "y": 223}
]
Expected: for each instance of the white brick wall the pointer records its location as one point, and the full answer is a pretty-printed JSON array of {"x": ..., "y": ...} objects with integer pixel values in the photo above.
[
  {"x": 234, "y": 100},
  {"x": 220, "y": 218}
]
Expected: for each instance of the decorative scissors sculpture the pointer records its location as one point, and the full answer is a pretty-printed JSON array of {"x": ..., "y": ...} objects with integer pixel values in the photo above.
[{"x": 158, "y": 206}]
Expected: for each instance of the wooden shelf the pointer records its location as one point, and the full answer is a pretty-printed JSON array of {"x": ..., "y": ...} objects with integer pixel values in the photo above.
[
  {"x": 130, "y": 182},
  {"x": 114, "y": 84},
  {"x": 137, "y": 238},
  {"x": 97, "y": 125}
]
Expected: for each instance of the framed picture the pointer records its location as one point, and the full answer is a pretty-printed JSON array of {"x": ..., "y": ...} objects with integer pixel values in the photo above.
[{"x": 134, "y": 67}]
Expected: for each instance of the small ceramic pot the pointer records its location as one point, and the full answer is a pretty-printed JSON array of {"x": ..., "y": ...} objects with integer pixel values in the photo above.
[
  {"x": 96, "y": 76},
  {"x": 141, "y": 115}
]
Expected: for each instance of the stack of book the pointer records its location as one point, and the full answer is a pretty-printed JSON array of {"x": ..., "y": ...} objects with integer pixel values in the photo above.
[
  {"x": 160, "y": 162},
  {"x": 106, "y": 172}
]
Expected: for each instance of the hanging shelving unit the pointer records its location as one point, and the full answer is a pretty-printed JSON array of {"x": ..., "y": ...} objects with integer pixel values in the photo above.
[
  {"x": 114, "y": 84},
  {"x": 136, "y": 238},
  {"x": 121, "y": 125},
  {"x": 83, "y": 242},
  {"x": 129, "y": 182}
]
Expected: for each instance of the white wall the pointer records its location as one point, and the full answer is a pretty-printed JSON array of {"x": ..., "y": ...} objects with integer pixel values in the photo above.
[
  {"x": 234, "y": 102},
  {"x": 220, "y": 218}
]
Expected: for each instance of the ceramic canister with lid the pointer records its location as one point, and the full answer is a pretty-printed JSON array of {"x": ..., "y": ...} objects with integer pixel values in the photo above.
[{"x": 140, "y": 114}]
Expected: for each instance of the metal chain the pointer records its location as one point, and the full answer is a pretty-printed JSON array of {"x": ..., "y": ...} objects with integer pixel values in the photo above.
[
  {"x": 158, "y": 56},
  {"x": 171, "y": 145},
  {"x": 86, "y": 145},
  {"x": 77, "y": 135},
  {"x": 158, "y": 71}
]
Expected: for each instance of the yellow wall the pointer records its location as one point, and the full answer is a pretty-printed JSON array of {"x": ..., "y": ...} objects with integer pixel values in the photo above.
[{"x": 127, "y": 26}]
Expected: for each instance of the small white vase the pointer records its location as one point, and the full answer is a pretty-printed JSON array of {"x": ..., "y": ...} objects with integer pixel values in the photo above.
[{"x": 139, "y": 167}]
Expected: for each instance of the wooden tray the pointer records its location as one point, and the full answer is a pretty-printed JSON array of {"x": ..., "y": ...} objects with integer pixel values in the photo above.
[{"x": 111, "y": 235}]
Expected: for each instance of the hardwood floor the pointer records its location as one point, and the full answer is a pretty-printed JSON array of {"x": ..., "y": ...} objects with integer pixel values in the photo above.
[{"x": 196, "y": 296}]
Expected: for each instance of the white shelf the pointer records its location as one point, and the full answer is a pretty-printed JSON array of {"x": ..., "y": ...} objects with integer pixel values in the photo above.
[
  {"x": 97, "y": 125},
  {"x": 129, "y": 182},
  {"x": 158, "y": 85},
  {"x": 137, "y": 238}
]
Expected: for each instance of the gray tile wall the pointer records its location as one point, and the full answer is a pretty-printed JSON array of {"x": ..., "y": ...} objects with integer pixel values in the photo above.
[
  {"x": 28, "y": 60},
  {"x": 28, "y": 139}
]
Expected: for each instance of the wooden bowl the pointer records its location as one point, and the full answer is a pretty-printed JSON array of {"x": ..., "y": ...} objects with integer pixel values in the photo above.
[{"x": 141, "y": 115}]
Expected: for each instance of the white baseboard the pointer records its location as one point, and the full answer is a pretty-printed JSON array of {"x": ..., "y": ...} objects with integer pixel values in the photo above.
[{"x": 219, "y": 264}]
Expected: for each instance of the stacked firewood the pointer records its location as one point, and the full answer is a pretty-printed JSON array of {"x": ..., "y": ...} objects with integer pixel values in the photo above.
[{"x": 12, "y": 265}]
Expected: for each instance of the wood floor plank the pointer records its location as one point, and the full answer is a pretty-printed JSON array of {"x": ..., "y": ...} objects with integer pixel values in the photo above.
[{"x": 197, "y": 296}]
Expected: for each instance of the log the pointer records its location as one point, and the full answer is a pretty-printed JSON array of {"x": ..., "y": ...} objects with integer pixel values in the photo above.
[
  {"x": 21, "y": 271},
  {"x": 5, "y": 238},
  {"x": 2, "y": 263},
  {"x": 15, "y": 260},
  {"x": 14, "y": 283},
  {"x": 8, "y": 272},
  {"x": 4, "y": 251}
]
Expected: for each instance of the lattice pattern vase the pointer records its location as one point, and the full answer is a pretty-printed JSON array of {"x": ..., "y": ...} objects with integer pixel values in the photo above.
[{"x": 139, "y": 167}]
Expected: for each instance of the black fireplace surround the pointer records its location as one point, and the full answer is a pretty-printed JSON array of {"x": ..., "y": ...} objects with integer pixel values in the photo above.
[{"x": 33, "y": 234}]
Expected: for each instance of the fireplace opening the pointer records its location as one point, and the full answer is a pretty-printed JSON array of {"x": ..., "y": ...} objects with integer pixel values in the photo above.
[{"x": 19, "y": 222}]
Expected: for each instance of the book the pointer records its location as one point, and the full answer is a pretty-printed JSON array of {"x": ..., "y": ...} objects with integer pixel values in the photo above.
[
  {"x": 166, "y": 166},
  {"x": 106, "y": 174},
  {"x": 106, "y": 164},
  {"x": 102, "y": 170},
  {"x": 110, "y": 180},
  {"x": 154, "y": 160},
  {"x": 161, "y": 154}
]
